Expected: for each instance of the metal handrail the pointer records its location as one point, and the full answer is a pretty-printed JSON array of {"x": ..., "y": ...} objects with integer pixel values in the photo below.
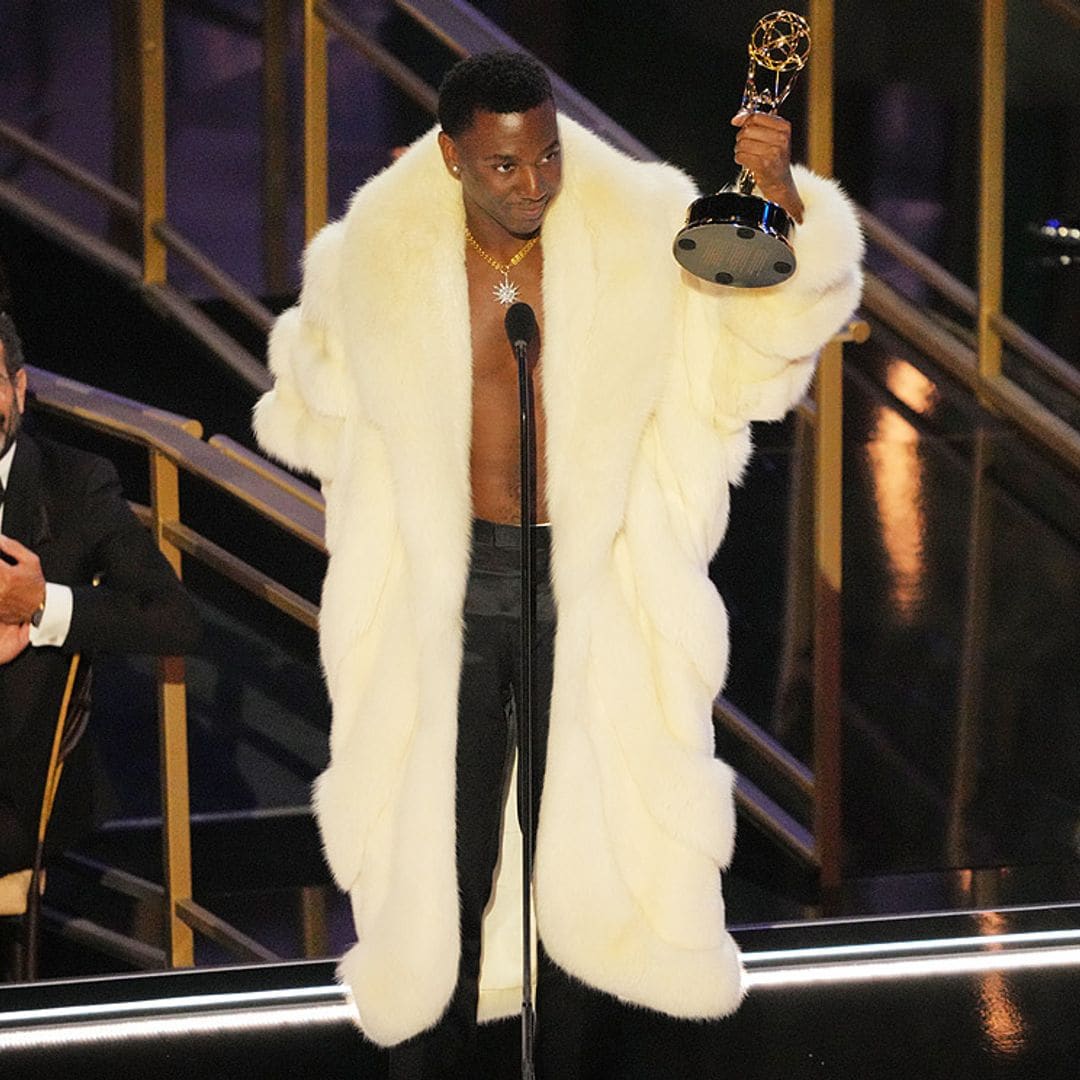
[
  {"x": 1042, "y": 356},
  {"x": 961, "y": 361},
  {"x": 229, "y": 351},
  {"x": 174, "y": 447},
  {"x": 110, "y": 193},
  {"x": 1068, "y": 11},
  {"x": 385, "y": 62},
  {"x": 911, "y": 258},
  {"x": 796, "y": 772},
  {"x": 965, "y": 299},
  {"x": 259, "y": 314},
  {"x": 164, "y": 298},
  {"x": 271, "y": 472},
  {"x": 126, "y": 419}
]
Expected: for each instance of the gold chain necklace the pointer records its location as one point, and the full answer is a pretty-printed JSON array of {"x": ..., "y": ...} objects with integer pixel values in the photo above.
[{"x": 505, "y": 292}]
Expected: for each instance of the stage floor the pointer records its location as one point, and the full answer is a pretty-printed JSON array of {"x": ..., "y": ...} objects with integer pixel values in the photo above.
[{"x": 989, "y": 994}]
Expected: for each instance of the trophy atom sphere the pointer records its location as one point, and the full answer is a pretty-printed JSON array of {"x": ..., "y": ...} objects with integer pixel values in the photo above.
[{"x": 780, "y": 42}]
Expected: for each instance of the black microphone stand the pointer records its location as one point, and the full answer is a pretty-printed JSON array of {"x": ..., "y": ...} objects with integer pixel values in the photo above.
[{"x": 521, "y": 328}]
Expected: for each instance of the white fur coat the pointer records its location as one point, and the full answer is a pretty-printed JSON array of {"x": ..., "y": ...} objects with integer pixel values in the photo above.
[{"x": 651, "y": 378}]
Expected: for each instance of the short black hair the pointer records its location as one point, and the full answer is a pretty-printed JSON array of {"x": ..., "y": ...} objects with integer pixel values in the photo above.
[
  {"x": 12, "y": 343},
  {"x": 498, "y": 82}
]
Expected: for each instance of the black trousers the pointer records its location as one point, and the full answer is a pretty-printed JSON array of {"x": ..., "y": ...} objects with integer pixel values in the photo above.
[{"x": 487, "y": 738}]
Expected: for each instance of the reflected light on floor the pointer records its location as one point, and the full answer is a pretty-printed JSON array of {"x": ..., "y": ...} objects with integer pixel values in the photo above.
[
  {"x": 1000, "y": 1015},
  {"x": 899, "y": 486}
]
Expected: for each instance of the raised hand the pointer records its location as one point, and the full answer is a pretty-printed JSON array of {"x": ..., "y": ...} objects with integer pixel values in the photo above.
[{"x": 763, "y": 146}]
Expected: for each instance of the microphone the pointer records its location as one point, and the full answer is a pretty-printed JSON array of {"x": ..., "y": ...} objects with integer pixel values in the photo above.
[
  {"x": 520, "y": 325},
  {"x": 521, "y": 329}
]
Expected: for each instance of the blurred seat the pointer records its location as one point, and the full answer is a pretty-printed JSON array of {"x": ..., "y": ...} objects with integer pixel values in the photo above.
[{"x": 20, "y": 891}]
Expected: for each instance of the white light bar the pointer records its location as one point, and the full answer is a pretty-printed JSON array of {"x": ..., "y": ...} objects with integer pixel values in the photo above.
[
  {"x": 196, "y": 1013},
  {"x": 858, "y": 971},
  {"x": 967, "y": 943},
  {"x": 43, "y": 1036},
  {"x": 195, "y": 1004}
]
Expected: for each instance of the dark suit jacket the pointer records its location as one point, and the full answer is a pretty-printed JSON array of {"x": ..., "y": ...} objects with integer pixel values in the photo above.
[{"x": 67, "y": 507}]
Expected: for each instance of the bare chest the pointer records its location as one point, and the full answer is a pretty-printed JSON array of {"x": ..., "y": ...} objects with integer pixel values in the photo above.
[
  {"x": 496, "y": 424},
  {"x": 492, "y": 353}
]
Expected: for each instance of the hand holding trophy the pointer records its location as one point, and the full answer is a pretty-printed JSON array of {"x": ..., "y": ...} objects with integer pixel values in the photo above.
[{"x": 735, "y": 237}]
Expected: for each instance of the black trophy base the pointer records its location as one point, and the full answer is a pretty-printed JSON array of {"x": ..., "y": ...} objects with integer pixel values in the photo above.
[{"x": 735, "y": 239}]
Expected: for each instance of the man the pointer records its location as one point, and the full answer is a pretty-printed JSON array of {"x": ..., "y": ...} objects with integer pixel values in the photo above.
[
  {"x": 63, "y": 521},
  {"x": 396, "y": 387}
]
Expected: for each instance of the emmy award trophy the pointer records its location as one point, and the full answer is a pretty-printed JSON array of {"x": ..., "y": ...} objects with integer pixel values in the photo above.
[{"x": 735, "y": 237}]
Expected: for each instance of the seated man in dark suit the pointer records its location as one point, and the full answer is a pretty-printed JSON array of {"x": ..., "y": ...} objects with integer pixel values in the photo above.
[{"x": 64, "y": 520}]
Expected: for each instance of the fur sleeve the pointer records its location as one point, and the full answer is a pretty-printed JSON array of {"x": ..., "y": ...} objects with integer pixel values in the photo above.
[
  {"x": 299, "y": 420},
  {"x": 770, "y": 337}
]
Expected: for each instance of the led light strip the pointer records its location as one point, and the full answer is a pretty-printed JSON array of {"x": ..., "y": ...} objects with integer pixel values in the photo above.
[
  {"x": 879, "y": 948},
  {"x": 857, "y": 971},
  {"x": 199, "y": 1002},
  {"x": 44, "y": 1036},
  {"x": 258, "y": 1010}
]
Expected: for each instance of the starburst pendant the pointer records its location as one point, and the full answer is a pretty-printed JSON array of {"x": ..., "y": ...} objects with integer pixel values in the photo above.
[{"x": 506, "y": 292}]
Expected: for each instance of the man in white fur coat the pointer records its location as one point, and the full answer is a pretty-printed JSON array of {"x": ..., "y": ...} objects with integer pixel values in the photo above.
[{"x": 396, "y": 387}]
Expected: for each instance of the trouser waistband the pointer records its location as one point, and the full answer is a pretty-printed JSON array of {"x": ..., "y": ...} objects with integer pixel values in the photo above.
[{"x": 493, "y": 534}]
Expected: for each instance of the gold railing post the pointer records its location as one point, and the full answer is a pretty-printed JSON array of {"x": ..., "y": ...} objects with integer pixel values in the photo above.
[
  {"x": 172, "y": 722},
  {"x": 152, "y": 134},
  {"x": 315, "y": 121},
  {"x": 275, "y": 124},
  {"x": 123, "y": 231},
  {"x": 819, "y": 98},
  {"x": 313, "y": 922},
  {"x": 991, "y": 184},
  {"x": 828, "y": 498},
  {"x": 828, "y": 580},
  {"x": 971, "y": 727}
]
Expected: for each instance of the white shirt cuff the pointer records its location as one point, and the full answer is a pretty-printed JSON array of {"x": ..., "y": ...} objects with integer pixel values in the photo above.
[{"x": 56, "y": 618}]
